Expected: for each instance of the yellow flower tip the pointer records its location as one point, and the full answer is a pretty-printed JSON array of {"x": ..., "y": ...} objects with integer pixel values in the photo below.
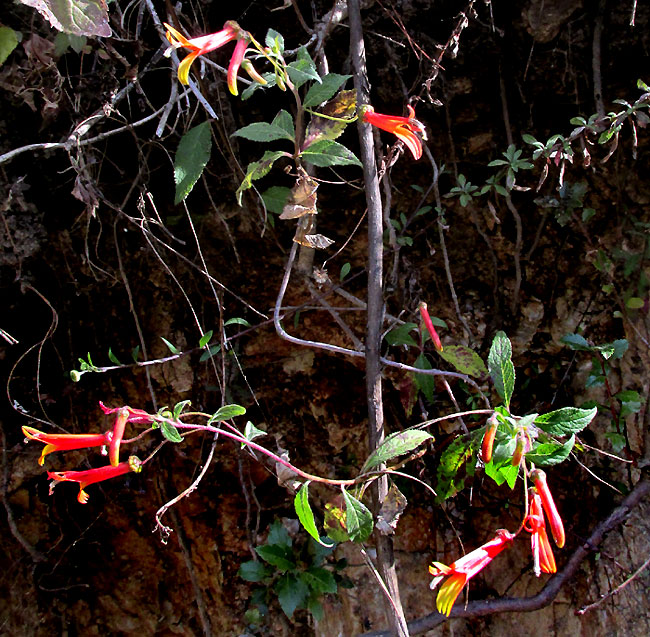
[
  {"x": 135, "y": 464},
  {"x": 83, "y": 497},
  {"x": 449, "y": 592},
  {"x": 184, "y": 68}
]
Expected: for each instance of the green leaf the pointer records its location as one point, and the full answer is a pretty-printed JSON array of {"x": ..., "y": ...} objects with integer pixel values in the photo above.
[
  {"x": 279, "y": 535},
  {"x": 341, "y": 107},
  {"x": 205, "y": 339},
  {"x": 426, "y": 383},
  {"x": 210, "y": 352},
  {"x": 179, "y": 407},
  {"x": 292, "y": 593},
  {"x": 500, "y": 366},
  {"x": 112, "y": 357},
  {"x": 465, "y": 360},
  {"x": 135, "y": 353},
  {"x": 565, "y": 421},
  {"x": 279, "y": 556},
  {"x": 237, "y": 321},
  {"x": 275, "y": 198},
  {"x": 8, "y": 42},
  {"x": 251, "y": 432},
  {"x": 253, "y": 571},
  {"x": 358, "y": 520},
  {"x": 263, "y": 132},
  {"x": 258, "y": 169},
  {"x": 315, "y": 608},
  {"x": 192, "y": 156},
  {"x": 457, "y": 462},
  {"x": 303, "y": 69},
  {"x": 284, "y": 121},
  {"x": 327, "y": 152},
  {"x": 81, "y": 17},
  {"x": 576, "y": 342},
  {"x": 396, "y": 445},
  {"x": 254, "y": 86},
  {"x": 634, "y": 303},
  {"x": 170, "y": 432},
  {"x": 502, "y": 471},
  {"x": 401, "y": 335},
  {"x": 640, "y": 84},
  {"x": 306, "y": 515},
  {"x": 320, "y": 580},
  {"x": 549, "y": 454},
  {"x": 319, "y": 93},
  {"x": 345, "y": 270},
  {"x": 226, "y": 413},
  {"x": 172, "y": 348},
  {"x": 275, "y": 41}
]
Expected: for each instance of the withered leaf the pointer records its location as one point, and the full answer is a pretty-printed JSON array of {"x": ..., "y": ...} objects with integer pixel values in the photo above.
[
  {"x": 342, "y": 106},
  {"x": 302, "y": 200}
]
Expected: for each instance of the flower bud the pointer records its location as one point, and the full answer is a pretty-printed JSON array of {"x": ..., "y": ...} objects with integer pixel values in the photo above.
[{"x": 488, "y": 438}]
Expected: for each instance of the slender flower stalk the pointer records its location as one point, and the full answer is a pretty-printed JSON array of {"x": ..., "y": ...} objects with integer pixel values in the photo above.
[
  {"x": 543, "y": 558},
  {"x": 555, "y": 521},
  {"x": 201, "y": 45},
  {"x": 408, "y": 129},
  {"x": 66, "y": 442},
  {"x": 461, "y": 571},
  {"x": 488, "y": 438},
  {"x": 424, "y": 313},
  {"x": 91, "y": 476}
]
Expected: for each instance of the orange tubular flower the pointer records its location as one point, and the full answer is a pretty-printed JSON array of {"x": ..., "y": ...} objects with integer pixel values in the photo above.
[
  {"x": 201, "y": 45},
  {"x": 543, "y": 559},
  {"x": 235, "y": 62},
  {"x": 66, "y": 442},
  {"x": 408, "y": 129},
  {"x": 557, "y": 528},
  {"x": 488, "y": 438},
  {"x": 424, "y": 312},
  {"x": 462, "y": 570},
  {"x": 84, "y": 478}
]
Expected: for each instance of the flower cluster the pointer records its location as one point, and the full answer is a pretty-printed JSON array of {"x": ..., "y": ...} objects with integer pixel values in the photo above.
[
  {"x": 456, "y": 575},
  {"x": 206, "y": 43},
  {"x": 111, "y": 439}
]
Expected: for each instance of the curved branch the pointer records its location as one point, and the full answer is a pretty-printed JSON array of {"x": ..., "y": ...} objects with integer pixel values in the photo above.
[{"x": 482, "y": 608}]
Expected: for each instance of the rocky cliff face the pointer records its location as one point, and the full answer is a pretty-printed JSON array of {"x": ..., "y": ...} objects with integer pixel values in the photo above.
[{"x": 94, "y": 255}]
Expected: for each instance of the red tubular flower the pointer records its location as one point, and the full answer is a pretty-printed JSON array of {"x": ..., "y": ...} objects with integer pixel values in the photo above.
[
  {"x": 135, "y": 415},
  {"x": 543, "y": 558},
  {"x": 488, "y": 438},
  {"x": 201, "y": 45},
  {"x": 557, "y": 528},
  {"x": 124, "y": 415},
  {"x": 424, "y": 312},
  {"x": 408, "y": 129},
  {"x": 84, "y": 478},
  {"x": 462, "y": 570},
  {"x": 235, "y": 62},
  {"x": 65, "y": 442}
]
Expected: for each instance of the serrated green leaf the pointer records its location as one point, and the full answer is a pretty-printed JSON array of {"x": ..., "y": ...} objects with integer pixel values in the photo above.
[
  {"x": 279, "y": 556},
  {"x": 319, "y": 93},
  {"x": 192, "y": 156},
  {"x": 292, "y": 593},
  {"x": 327, "y": 152},
  {"x": 565, "y": 421},
  {"x": 112, "y": 357},
  {"x": 500, "y": 366},
  {"x": 262, "y": 132},
  {"x": 303, "y": 69},
  {"x": 401, "y": 335},
  {"x": 253, "y": 571},
  {"x": 465, "y": 360},
  {"x": 502, "y": 471},
  {"x": 8, "y": 42},
  {"x": 80, "y": 17},
  {"x": 259, "y": 169},
  {"x": 396, "y": 445},
  {"x": 341, "y": 107},
  {"x": 320, "y": 580},
  {"x": 358, "y": 519},
  {"x": 205, "y": 339},
  {"x": 226, "y": 413},
  {"x": 172, "y": 348},
  {"x": 275, "y": 41},
  {"x": 279, "y": 535},
  {"x": 275, "y": 198},
  {"x": 426, "y": 383},
  {"x": 549, "y": 454},
  {"x": 170, "y": 432}
]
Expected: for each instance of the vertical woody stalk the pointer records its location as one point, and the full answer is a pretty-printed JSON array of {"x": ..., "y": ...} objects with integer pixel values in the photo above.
[{"x": 384, "y": 543}]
